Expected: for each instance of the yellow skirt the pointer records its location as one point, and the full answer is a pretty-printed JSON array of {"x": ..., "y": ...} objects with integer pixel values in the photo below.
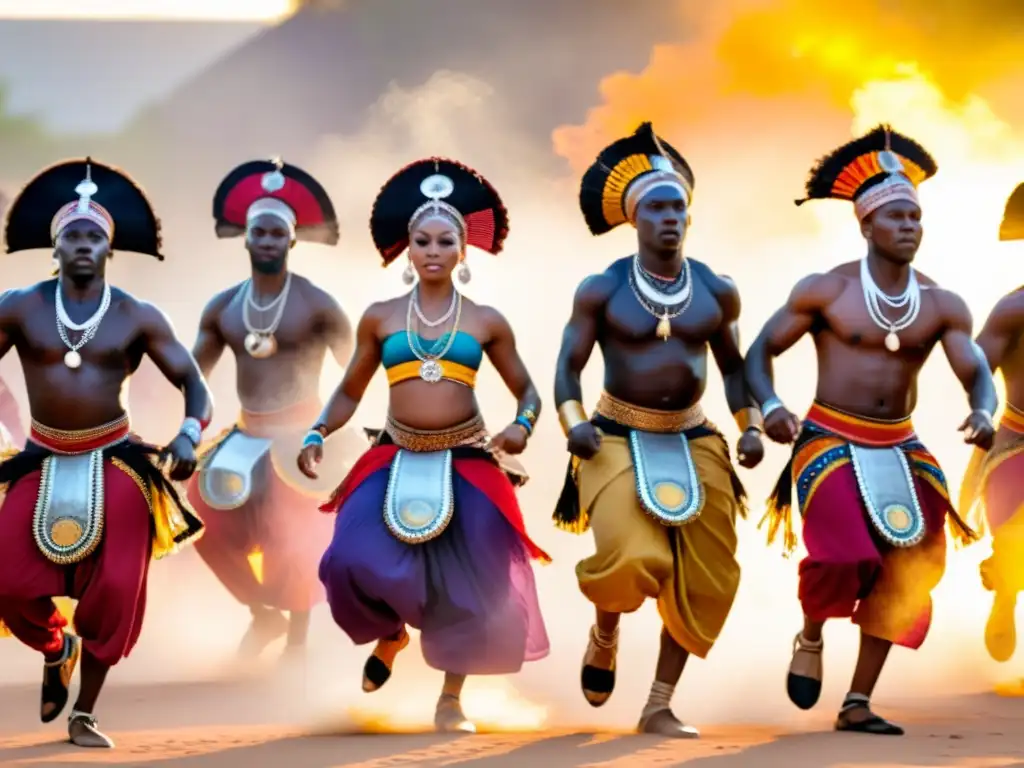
[{"x": 691, "y": 570}]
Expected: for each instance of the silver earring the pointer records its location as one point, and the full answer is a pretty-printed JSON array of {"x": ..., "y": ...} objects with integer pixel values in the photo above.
[
  {"x": 464, "y": 274},
  {"x": 409, "y": 275}
]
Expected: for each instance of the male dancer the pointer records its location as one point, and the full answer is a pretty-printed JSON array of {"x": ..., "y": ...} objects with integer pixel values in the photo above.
[
  {"x": 993, "y": 480},
  {"x": 86, "y": 505},
  {"x": 649, "y": 473},
  {"x": 873, "y": 500},
  {"x": 279, "y": 326}
]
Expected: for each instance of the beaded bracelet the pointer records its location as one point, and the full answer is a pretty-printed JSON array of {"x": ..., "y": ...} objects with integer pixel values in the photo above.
[
  {"x": 312, "y": 438},
  {"x": 524, "y": 422}
]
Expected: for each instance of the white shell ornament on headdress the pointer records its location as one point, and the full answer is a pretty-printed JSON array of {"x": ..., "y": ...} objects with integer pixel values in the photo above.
[
  {"x": 890, "y": 162},
  {"x": 661, "y": 163},
  {"x": 273, "y": 181},
  {"x": 437, "y": 187}
]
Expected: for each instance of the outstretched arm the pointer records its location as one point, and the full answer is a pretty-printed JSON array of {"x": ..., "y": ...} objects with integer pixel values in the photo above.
[
  {"x": 343, "y": 403},
  {"x": 175, "y": 363},
  {"x": 970, "y": 366},
  {"x": 502, "y": 352},
  {"x": 1002, "y": 329},
  {"x": 578, "y": 340}
]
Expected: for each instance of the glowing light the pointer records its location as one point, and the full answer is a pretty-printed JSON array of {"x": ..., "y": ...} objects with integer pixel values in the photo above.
[{"x": 150, "y": 10}]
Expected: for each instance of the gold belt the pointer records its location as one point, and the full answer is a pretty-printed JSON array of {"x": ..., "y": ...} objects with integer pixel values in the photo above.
[
  {"x": 470, "y": 433},
  {"x": 1013, "y": 418},
  {"x": 649, "y": 419}
]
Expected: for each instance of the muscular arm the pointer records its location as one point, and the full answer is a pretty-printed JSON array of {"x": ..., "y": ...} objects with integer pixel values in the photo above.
[
  {"x": 502, "y": 352},
  {"x": 210, "y": 343},
  {"x": 337, "y": 330},
  {"x": 9, "y": 320},
  {"x": 579, "y": 337},
  {"x": 175, "y": 362},
  {"x": 965, "y": 357},
  {"x": 365, "y": 360},
  {"x": 725, "y": 346},
  {"x": 1002, "y": 329},
  {"x": 785, "y": 328}
]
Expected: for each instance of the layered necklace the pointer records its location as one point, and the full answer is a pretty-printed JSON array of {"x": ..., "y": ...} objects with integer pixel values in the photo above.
[
  {"x": 88, "y": 329},
  {"x": 260, "y": 342},
  {"x": 874, "y": 298},
  {"x": 430, "y": 368},
  {"x": 662, "y": 298}
]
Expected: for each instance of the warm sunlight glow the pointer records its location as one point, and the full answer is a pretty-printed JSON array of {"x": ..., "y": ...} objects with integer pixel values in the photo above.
[{"x": 149, "y": 10}]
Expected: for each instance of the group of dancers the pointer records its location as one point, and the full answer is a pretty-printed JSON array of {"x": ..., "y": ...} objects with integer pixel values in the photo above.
[{"x": 423, "y": 529}]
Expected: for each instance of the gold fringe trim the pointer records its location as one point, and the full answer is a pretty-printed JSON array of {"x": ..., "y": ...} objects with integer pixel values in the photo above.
[{"x": 780, "y": 519}]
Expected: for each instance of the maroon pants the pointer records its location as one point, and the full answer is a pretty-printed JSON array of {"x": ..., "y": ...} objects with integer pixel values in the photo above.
[{"x": 109, "y": 585}]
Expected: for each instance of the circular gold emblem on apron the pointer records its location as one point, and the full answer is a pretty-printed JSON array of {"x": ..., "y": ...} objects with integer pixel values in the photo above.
[
  {"x": 416, "y": 514},
  {"x": 897, "y": 517},
  {"x": 66, "y": 533},
  {"x": 670, "y": 495}
]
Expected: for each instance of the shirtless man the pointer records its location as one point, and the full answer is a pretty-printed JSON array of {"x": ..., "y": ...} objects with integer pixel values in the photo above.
[
  {"x": 993, "y": 479},
  {"x": 86, "y": 506},
  {"x": 265, "y": 534},
  {"x": 670, "y": 536},
  {"x": 873, "y": 500}
]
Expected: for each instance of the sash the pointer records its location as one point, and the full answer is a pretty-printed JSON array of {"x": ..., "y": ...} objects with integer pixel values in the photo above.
[
  {"x": 235, "y": 471},
  {"x": 667, "y": 484},
  {"x": 887, "y": 488},
  {"x": 420, "y": 499},
  {"x": 68, "y": 520}
]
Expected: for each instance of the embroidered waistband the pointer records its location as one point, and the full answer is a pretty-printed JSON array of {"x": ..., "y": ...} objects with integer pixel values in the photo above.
[
  {"x": 75, "y": 441},
  {"x": 861, "y": 429},
  {"x": 649, "y": 419},
  {"x": 1013, "y": 419},
  {"x": 468, "y": 433}
]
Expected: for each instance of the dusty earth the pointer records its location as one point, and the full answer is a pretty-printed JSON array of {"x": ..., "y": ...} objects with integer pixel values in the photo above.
[{"x": 216, "y": 725}]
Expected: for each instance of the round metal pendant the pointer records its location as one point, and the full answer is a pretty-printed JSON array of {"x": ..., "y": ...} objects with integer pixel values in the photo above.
[
  {"x": 72, "y": 359},
  {"x": 260, "y": 346},
  {"x": 898, "y": 517},
  {"x": 892, "y": 341},
  {"x": 430, "y": 371}
]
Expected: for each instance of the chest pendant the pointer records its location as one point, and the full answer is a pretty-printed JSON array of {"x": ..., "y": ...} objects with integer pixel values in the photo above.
[
  {"x": 892, "y": 341},
  {"x": 260, "y": 345},
  {"x": 664, "y": 329}
]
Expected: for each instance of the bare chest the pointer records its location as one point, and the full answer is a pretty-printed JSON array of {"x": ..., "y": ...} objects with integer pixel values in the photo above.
[
  {"x": 294, "y": 326},
  {"x": 628, "y": 320},
  {"x": 115, "y": 344},
  {"x": 849, "y": 319}
]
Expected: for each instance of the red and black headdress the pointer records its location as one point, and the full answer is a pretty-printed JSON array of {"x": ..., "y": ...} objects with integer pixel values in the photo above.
[
  {"x": 1012, "y": 227},
  {"x": 76, "y": 190},
  {"x": 273, "y": 187},
  {"x": 438, "y": 186},
  {"x": 624, "y": 172}
]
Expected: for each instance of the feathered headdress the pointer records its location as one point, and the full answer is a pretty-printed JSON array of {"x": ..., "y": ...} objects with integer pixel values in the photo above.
[
  {"x": 871, "y": 171},
  {"x": 624, "y": 172},
  {"x": 273, "y": 187},
  {"x": 441, "y": 186},
  {"x": 77, "y": 190},
  {"x": 1012, "y": 227}
]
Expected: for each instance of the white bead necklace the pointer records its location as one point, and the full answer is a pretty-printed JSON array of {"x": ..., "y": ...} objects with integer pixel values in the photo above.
[
  {"x": 72, "y": 358},
  {"x": 874, "y": 297}
]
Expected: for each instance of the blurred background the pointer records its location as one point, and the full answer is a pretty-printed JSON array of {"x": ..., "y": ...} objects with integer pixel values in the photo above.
[{"x": 750, "y": 91}]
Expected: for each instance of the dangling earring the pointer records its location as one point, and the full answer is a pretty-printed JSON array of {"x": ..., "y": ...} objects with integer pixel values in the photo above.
[
  {"x": 409, "y": 274},
  {"x": 55, "y": 267},
  {"x": 464, "y": 274}
]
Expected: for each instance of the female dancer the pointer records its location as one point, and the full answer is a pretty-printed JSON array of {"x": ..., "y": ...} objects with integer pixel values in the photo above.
[{"x": 429, "y": 533}]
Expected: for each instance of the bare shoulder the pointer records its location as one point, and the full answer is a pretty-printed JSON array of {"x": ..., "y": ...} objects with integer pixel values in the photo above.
[
  {"x": 1011, "y": 305},
  {"x": 16, "y": 300},
  {"x": 951, "y": 306},
  {"x": 490, "y": 318},
  {"x": 722, "y": 287},
  {"x": 816, "y": 291},
  {"x": 377, "y": 314},
  {"x": 595, "y": 291},
  {"x": 313, "y": 295},
  {"x": 149, "y": 317},
  {"x": 220, "y": 301}
]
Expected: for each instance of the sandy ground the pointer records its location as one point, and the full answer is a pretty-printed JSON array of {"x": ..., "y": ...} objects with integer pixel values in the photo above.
[{"x": 216, "y": 725}]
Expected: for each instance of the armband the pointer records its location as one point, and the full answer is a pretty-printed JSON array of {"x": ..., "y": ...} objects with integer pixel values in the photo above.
[
  {"x": 192, "y": 428},
  {"x": 571, "y": 414},
  {"x": 749, "y": 419}
]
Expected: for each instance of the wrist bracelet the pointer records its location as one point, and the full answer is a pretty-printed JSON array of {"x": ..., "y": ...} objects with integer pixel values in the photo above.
[
  {"x": 748, "y": 418},
  {"x": 524, "y": 422},
  {"x": 193, "y": 430},
  {"x": 571, "y": 414},
  {"x": 981, "y": 411},
  {"x": 770, "y": 405},
  {"x": 313, "y": 437}
]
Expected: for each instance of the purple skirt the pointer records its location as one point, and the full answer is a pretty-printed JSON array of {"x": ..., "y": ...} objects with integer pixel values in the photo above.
[{"x": 470, "y": 592}]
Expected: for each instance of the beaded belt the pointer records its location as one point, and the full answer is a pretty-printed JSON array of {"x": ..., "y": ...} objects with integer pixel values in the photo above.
[
  {"x": 76, "y": 441},
  {"x": 471, "y": 433},
  {"x": 649, "y": 419}
]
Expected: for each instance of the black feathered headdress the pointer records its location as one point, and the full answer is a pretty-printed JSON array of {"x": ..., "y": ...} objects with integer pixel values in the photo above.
[
  {"x": 272, "y": 186},
  {"x": 871, "y": 171},
  {"x": 1012, "y": 227},
  {"x": 82, "y": 189},
  {"x": 450, "y": 188},
  {"x": 622, "y": 174}
]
